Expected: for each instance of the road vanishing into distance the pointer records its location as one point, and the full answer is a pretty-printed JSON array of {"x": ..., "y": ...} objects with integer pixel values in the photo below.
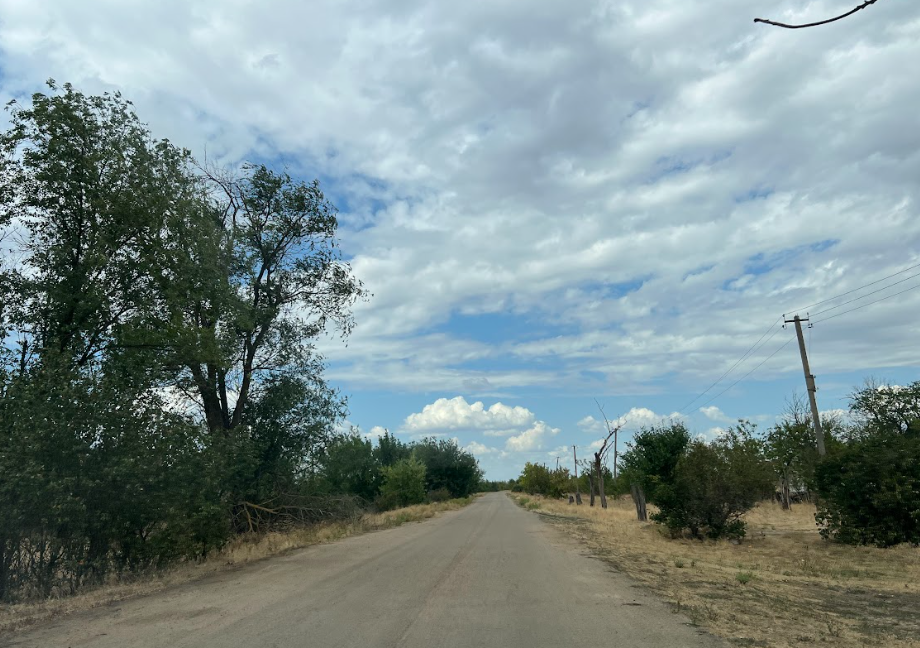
[{"x": 490, "y": 575}]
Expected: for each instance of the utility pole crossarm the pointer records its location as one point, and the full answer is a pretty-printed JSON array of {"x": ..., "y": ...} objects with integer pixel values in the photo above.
[{"x": 809, "y": 382}]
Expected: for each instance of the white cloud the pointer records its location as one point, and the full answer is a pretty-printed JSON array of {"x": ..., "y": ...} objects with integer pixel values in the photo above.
[
  {"x": 596, "y": 444},
  {"x": 457, "y": 414},
  {"x": 639, "y": 417},
  {"x": 591, "y": 425},
  {"x": 376, "y": 432},
  {"x": 836, "y": 414},
  {"x": 479, "y": 449},
  {"x": 714, "y": 413},
  {"x": 531, "y": 439},
  {"x": 345, "y": 427}
]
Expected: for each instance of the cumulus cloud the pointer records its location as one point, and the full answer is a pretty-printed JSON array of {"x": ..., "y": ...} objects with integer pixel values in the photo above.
[
  {"x": 591, "y": 425},
  {"x": 639, "y": 417},
  {"x": 479, "y": 449},
  {"x": 531, "y": 439},
  {"x": 524, "y": 432},
  {"x": 714, "y": 413},
  {"x": 457, "y": 414},
  {"x": 376, "y": 432},
  {"x": 841, "y": 415}
]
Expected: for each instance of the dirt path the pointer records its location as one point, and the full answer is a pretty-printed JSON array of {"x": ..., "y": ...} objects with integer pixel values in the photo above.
[{"x": 488, "y": 575}]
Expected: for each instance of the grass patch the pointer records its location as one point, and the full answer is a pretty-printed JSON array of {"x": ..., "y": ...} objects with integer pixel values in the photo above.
[
  {"x": 241, "y": 550},
  {"x": 797, "y": 588},
  {"x": 744, "y": 577}
]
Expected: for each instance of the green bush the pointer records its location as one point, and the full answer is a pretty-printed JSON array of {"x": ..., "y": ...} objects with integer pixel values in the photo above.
[
  {"x": 870, "y": 491},
  {"x": 714, "y": 484},
  {"x": 403, "y": 483},
  {"x": 447, "y": 466},
  {"x": 537, "y": 479},
  {"x": 652, "y": 456},
  {"x": 439, "y": 495}
]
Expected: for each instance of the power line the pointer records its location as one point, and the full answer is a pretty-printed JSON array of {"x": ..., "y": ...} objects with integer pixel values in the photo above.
[
  {"x": 684, "y": 409},
  {"x": 786, "y": 343},
  {"x": 781, "y": 347},
  {"x": 849, "y": 292},
  {"x": 900, "y": 292},
  {"x": 855, "y": 299},
  {"x": 761, "y": 342}
]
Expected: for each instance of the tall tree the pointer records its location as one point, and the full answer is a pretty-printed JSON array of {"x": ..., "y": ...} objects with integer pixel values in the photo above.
[
  {"x": 280, "y": 280},
  {"x": 89, "y": 190}
]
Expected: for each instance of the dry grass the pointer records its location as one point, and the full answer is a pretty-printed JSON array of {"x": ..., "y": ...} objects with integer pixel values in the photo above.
[
  {"x": 783, "y": 586},
  {"x": 240, "y": 551}
]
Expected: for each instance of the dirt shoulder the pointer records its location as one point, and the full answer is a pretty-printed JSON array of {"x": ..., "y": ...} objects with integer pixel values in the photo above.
[
  {"x": 782, "y": 586},
  {"x": 241, "y": 551}
]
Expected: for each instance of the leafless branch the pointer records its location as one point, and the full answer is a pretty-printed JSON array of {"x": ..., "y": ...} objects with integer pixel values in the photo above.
[{"x": 821, "y": 22}]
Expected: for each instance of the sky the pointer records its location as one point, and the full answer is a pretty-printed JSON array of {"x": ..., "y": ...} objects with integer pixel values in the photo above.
[{"x": 558, "y": 207}]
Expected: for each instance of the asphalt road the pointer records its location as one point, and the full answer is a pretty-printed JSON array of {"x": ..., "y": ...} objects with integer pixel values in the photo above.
[{"x": 488, "y": 575}]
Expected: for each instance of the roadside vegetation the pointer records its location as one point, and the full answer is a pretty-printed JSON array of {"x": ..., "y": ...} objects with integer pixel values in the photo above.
[
  {"x": 755, "y": 536},
  {"x": 782, "y": 586},
  {"x": 160, "y": 393},
  {"x": 241, "y": 550}
]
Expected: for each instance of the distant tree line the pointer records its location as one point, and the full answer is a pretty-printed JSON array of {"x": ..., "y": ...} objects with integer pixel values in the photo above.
[
  {"x": 159, "y": 389},
  {"x": 867, "y": 487},
  {"x": 395, "y": 473}
]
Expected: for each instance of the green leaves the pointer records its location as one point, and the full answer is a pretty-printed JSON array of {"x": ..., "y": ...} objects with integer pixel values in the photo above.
[
  {"x": 713, "y": 485},
  {"x": 652, "y": 456},
  {"x": 870, "y": 492},
  {"x": 157, "y": 367},
  {"x": 403, "y": 484}
]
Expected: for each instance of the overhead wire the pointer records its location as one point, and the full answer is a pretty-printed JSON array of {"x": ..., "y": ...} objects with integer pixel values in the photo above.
[
  {"x": 874, "y": 292},
  {"x": 747, "y": 354},
  {"x": 875, "y": 301},
  {"x": 849, "y": 292},
  {"x": 764, "y": 361},
  {"x": 761, "y": 342}
]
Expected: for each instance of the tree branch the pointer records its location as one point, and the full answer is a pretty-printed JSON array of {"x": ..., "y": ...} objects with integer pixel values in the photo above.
[{"x": 821, "y": 22}]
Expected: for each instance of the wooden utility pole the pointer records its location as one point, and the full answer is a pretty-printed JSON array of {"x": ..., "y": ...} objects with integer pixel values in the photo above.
[
  {"x": 577, "y": 490},
  {"x": 809, "y": 383}
]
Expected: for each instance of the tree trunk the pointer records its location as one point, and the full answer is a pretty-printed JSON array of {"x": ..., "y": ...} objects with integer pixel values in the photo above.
[
  {"x": 600, "y": 479},
  {"x": 591, "y": 486},
  {"x": 639, "y": 499},
  {"x": 784, "y": 493}
]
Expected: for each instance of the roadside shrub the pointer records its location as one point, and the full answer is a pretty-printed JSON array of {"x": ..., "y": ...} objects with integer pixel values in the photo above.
[
  {"x": 448, "y": 466},
  {"x": 652, "y": 456},
  {"x": 870, "y": 492},
  {"x": 403, "y": 484},
  {"x": 439, "y": 495},
  {"x": 537, "y": 479},
  {"x": 713, "y": 486}
]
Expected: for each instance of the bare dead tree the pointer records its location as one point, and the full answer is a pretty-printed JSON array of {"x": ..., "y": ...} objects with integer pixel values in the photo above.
[
  {"x": 587, "y": 469},
  {"x": 820, "y": 22},
  {"x": 601, "y": 454}
]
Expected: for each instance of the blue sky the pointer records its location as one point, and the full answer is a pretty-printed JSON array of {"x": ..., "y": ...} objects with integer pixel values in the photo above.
[{"x": 553, "y": 203}]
